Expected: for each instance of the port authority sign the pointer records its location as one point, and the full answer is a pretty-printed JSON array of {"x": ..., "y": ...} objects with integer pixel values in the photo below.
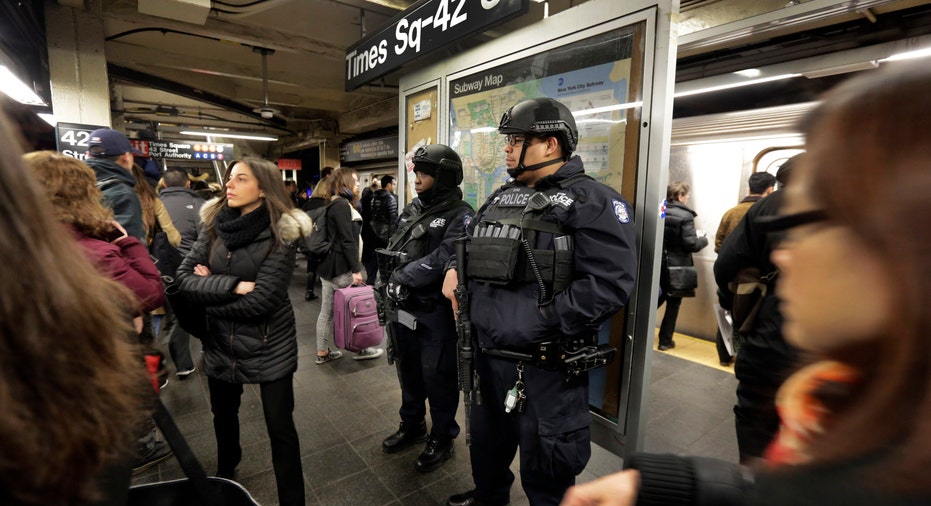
[{"x": 425, "y": 26}]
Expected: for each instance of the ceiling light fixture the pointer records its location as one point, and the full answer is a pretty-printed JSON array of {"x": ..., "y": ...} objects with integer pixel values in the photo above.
[
  {"x": 908, "y": 55},
  {"x": 16, "y": 89},
  {"x": 266, "y": 111},
  {"x": 232, "y": 135}
]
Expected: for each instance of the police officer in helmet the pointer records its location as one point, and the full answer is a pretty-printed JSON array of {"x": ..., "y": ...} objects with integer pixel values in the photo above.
[
  {"x": 426, "y": 356},
  {"x": 552, "y": 255}
]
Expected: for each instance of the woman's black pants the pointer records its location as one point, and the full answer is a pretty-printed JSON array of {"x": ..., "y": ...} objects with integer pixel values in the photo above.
[{"x": 278, "y": 406}]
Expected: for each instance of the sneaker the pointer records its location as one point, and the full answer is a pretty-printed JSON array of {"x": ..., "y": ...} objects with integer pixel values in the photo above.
[
  {"x": 666, "y": 346},
  {"x": 182, "y": 374},
  {"x": 329, "y": 357},
  {"x": 163, "y": 382},
  {"x": 157, "y": 453},
  {"x": 368, "y": 354}
]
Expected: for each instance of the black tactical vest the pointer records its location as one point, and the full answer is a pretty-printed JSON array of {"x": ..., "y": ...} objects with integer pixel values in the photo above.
[{"x": 504, "y": 243}]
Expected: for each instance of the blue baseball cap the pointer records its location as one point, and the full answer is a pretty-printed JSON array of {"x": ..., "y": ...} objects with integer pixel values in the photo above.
[{"x": 111, "y": 142}]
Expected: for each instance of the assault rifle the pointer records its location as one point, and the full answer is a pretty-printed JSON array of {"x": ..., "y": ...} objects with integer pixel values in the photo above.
[
  {"x": 468, "y": 378},
  {"x": 387, "y": 303}
]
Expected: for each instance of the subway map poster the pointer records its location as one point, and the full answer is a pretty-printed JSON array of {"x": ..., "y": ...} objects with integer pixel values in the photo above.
[{"x": 591, "y": 77}]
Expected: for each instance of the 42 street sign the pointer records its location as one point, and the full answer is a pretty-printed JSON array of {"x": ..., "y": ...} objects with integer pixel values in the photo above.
[{"x": 424, "y": 27}]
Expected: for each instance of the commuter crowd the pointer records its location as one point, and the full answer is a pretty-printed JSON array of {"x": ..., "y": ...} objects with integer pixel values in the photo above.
[{"x": 493, "y": 311}]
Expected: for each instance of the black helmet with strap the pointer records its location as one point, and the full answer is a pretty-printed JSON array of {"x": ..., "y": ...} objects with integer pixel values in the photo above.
[
  {"x": 443, "y": 164},
  {"x": 540, "y": 117}
]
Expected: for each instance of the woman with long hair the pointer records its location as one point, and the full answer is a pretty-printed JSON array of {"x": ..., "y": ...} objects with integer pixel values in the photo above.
[
  {"x": 154, "y": 214},
  {"x": 342, "y": 266},
  {"x": 239, "y": 270},
  {"x": 71, "y": 189},
  {"x": 854, "y": 264},
  {"x": 69, "y": 377}
]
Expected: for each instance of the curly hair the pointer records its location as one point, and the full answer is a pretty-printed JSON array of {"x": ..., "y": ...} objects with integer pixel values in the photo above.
[{"x": 71, "y": 187}]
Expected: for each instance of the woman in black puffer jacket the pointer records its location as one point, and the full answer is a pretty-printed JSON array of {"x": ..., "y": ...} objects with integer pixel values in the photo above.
[
  {"x": 240, "y": 269},
  {"x": 679, "y": 242}
]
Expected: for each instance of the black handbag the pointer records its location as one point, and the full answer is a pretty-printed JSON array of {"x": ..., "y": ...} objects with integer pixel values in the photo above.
[
  {"x": 167, "y": 257},
  {"x": 197, "y": 489},
  {"x": 189, "y": 315},
  {"x": 682, "y": 278}
]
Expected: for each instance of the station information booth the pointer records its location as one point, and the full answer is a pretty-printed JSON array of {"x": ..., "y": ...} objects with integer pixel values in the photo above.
[{"x": 612, "y": 63}]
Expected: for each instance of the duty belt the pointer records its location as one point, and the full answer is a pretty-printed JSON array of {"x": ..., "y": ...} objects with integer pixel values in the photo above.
[{"x": 573, "y": 356}]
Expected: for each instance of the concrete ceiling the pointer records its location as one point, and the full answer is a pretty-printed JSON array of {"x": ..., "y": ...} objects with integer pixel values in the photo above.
[{"x": 162, "y": 69}]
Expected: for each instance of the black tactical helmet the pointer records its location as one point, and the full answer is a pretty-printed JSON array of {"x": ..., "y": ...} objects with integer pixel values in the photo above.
[
  {"x": 542, "y": 116},
  {"x": 441, "y": 162}
]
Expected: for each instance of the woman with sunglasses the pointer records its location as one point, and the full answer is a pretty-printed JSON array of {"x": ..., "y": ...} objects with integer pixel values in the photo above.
[{"x": 854, "y": 265}]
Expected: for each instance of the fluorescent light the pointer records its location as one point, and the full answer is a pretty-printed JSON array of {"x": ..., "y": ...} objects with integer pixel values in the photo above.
[
  {"x": 49, "y": 118},
  {"x": 735, "y": 85},
  {"x": 232, "y": 135},
  {"x": 16, "y": 89},
  {"x": 920, "y": 53},
  {"x": 749, "y": 73}
]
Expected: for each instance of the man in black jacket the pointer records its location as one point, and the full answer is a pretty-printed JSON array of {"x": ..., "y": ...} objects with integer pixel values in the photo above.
[
  {"x": 110, "y": 154},
  {"x": 183, "y": 205},
  {"x": 427, "y": 354},
  {"x": 764, "y": 359},
  {"x": 382, "y": 222}
]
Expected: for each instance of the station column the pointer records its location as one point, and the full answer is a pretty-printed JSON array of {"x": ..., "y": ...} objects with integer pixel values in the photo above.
[{"x": 77, "y": 63}]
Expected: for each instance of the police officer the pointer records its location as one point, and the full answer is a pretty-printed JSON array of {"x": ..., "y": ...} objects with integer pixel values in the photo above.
[
  {"x": 552, "y": 255},
  {"x": 427, "y": 229}
]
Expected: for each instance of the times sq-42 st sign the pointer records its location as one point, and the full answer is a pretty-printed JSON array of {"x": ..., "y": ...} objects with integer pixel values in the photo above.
[{"x": 424, "y": 27}]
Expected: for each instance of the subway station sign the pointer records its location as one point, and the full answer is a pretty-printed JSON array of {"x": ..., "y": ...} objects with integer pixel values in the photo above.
[
  {"x": 71, "y": 140},
  {"x": 378, "y": 148},
  {"x": 426, "y": 26}
]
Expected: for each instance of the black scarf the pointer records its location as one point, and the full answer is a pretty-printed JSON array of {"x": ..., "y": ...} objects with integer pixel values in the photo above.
[{"x": 237, "y": 230}]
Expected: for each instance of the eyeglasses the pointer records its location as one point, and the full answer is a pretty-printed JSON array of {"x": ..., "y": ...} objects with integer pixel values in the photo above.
[
  {"x": 777, "y": 227},
  {"x": 514, "y": 139},
  {"x": 785, "y": 222}
]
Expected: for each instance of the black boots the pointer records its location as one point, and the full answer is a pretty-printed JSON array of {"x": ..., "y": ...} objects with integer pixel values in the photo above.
[
  {"x": 406, "y": 436},
  {"x": 437, "y": 451},
  {"x": 465, "y": 499}
]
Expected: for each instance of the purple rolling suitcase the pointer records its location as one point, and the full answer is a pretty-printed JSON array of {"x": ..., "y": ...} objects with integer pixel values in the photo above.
[{"x": 355, "y": 319}]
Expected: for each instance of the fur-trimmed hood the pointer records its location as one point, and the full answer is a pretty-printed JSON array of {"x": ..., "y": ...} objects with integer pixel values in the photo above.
[{"x": 293, "y": 225}]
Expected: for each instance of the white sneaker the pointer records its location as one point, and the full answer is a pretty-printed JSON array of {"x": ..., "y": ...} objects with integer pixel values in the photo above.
[{"x": 368, "y": 354}]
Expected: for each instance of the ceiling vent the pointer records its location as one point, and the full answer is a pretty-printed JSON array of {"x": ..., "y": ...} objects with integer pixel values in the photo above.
[{"x": 188, "y": 11}]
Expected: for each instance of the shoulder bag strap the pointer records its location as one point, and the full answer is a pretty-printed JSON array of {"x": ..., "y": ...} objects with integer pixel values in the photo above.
[{"x": 189, "y": 463}]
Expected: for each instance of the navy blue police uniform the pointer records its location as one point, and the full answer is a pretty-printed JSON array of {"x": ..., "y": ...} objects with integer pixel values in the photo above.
[
  {"x": 553, "y": 433},
  {"x": 426, "y": 356}
]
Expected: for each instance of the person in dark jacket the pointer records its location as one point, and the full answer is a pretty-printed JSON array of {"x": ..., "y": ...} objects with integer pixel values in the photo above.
[
  {"x": 318, "y": 198},
  {"x": 856, "y": 418},
  {"x": 680, "y": 240},
  {"x": 183, "y": 206},
  {"x": 383, "y": 221},
  {"x": 110, "y": 154},
  {"x": 760, "y": 185},
  {"x": 427, "y": 354},
  {"x": 239, "y": 270},
  {"x": 342, "y": 265},
  {"x": 564, "y": 216},
  {"x": 764, "y": 358}
]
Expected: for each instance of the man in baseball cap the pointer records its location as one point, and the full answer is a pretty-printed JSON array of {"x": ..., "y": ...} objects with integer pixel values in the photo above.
[{"x": 110, "y": 154}]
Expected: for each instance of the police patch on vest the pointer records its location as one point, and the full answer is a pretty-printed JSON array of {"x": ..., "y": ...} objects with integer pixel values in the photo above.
[
  {"x": 620, "y": 210},
  {"x": 438, "y": 223},
  {"x": 514, "y": 199},
  {"x": 562, "y": 200}
]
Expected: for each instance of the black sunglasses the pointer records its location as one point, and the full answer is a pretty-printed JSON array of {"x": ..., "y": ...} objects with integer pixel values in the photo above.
[{"x": 784, "y": 222}]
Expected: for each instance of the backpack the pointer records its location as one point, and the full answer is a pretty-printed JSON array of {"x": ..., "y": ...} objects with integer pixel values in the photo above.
[{"x": 318, "y": 242}]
